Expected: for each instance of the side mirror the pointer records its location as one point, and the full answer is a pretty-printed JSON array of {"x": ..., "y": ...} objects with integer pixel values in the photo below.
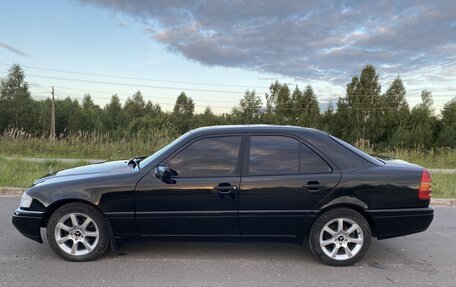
[{"x": 165, "y": 173}]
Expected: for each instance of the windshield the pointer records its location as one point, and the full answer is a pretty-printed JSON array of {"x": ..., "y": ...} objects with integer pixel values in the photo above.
[
  {"x": 359, "y": 152},
  {"x": 158, "y": 153}
]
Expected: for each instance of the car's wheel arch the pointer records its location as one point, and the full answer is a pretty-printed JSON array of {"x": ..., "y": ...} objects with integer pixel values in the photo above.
[
  {"x": 351, "y": 203},
  {"x": 59, "y": 203}
]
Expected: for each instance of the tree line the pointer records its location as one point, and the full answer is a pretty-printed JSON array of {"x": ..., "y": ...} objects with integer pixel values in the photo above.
[{"x": 364, "y": 113}]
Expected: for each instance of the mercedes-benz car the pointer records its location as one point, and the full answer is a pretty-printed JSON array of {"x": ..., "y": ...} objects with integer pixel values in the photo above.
[{"x": 260, "y": 182}]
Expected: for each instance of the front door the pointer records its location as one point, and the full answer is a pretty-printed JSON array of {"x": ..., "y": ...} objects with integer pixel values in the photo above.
[
  {"x": 202, "y": 198},
  {"x": 283, "y": 180}
]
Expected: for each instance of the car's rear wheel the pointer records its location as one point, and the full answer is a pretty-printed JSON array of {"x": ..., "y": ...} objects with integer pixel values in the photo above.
[
  {"x": 78, "y": 232},
  {"x": 340, "y": 237}
]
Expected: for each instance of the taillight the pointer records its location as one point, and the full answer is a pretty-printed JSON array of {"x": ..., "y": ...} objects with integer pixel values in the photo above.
[{"x": 425, "y": 186}]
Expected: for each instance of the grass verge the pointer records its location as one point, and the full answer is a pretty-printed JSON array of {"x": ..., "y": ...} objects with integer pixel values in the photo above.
[
  {"x": 443, "y": 185},
  {"x": 21, "y": 173}
]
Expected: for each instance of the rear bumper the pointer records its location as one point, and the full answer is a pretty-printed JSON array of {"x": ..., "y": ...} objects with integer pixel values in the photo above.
[
  {"x": 28, "y": 223},
  {"x": 398, "y": 222}
]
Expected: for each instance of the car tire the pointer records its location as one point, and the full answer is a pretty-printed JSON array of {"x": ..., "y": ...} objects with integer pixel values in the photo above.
[
  {"x": 78, "y": 232},
  {"x": 340, "y": 237}
]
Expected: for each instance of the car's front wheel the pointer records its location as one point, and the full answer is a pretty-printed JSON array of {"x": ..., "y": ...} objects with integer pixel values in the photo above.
[
  {"x": 340, "y": 237},
  {"x": 77, "y": 232}
]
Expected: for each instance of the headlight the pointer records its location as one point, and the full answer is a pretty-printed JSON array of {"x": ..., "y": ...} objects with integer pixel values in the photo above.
[{"x": 26, "y": 200}]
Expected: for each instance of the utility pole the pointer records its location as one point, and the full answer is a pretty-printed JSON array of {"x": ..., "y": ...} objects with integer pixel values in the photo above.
[{"x": 52, "y": 117}]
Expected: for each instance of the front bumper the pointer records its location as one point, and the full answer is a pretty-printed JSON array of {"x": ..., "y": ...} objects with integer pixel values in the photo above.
[
  {"x": 28, "y": 223},
  {"x": 398, "y": 222}
]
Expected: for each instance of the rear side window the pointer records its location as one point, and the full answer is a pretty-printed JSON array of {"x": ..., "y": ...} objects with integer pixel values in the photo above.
[
  {"x": 270, "y": 155},
  {"x": 209, "y": 157},
  {"x": 356, "y": 151},
  {"x": 273, "y": 155},
  {"x": 312, "y": 162}
]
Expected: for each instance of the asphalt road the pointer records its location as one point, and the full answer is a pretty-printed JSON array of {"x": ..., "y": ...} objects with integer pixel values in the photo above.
[{"x": 426, "y": 259}]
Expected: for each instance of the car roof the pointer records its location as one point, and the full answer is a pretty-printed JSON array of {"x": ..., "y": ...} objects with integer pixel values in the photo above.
[{"x": 255, "y": 128}]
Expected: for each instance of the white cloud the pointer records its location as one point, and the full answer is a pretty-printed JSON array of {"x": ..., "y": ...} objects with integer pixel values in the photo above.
[{"x": 306, "y": 40}]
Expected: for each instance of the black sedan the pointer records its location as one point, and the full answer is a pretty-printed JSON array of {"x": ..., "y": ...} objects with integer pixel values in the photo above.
[{"x": 235, "y": 182}]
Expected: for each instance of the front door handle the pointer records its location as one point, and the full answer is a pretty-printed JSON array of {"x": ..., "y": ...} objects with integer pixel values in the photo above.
[
  {"x": 314, "y": 185},
  {"x": 225, "y": 188}
]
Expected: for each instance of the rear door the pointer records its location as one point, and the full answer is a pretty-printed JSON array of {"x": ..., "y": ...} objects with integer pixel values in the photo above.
[
  {"x": 202, "y": 198},
  {"x": 282, "y": 180}
]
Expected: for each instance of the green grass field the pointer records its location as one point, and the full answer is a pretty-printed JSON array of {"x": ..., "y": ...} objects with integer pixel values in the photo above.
[
  {"x": 443, "y": 185},
  {"x": 437, "y": 158},
  {"x": 21, "y": 173}
]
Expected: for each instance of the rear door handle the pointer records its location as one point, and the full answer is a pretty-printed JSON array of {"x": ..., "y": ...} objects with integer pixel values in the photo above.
[
  {"x": 314, "y": 185},
  {"x": 225, "y": 188}
]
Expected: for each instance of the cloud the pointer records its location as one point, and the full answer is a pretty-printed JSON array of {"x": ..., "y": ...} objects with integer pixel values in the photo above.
[
  {"x": 14, "y": 50},
  {"x": 306, "y": 40}
]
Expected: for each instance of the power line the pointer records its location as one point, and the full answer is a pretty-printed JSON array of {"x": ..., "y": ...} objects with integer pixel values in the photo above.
[
  {"x": 91, "y": 92},
  {"x": 171, "y": 81},
  {"x": 136, "y": 85},
  {"x": 333, "y": 96},
  {"x": 125, "y": 94},
  {"x": 172, "y": 88},
  {"x": 135, "y": 78},
  {"x": 157, "y": 80},
  {"x": 79, "y": 97},
  {"x": 230, "y": 107}
]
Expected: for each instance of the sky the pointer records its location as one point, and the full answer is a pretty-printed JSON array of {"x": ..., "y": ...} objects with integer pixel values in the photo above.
[{"x": 215, "y": 50}]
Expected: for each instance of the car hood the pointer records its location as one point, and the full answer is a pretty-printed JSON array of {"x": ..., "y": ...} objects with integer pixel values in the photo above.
[{"x": 99, "y": 169}]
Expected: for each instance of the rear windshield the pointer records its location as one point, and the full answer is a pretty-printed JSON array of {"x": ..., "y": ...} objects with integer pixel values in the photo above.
[{"x": 358, "y": 151}]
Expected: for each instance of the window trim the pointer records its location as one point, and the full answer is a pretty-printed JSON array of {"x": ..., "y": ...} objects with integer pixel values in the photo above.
[
  {"x": 239, "y": 160},
  {"x": 246, "y": 167}
]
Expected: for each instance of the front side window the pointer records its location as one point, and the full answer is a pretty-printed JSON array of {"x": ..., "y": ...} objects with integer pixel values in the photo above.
[{"x": 209, "y": 157}]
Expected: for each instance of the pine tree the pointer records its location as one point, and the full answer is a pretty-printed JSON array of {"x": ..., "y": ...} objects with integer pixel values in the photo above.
[{"x": 16, "y": 104}]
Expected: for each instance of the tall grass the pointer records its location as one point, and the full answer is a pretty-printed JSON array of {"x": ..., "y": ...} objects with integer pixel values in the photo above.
[
  {"x": 17, "y": 143},
  {"x": 443, "y": 185},
  {"x": 21, "y": 173},
  {"x": 442, "y": 157},
  {"x": 85, "y": 145}
]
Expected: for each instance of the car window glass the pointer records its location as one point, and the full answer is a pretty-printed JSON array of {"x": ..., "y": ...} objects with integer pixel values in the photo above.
[
  {"x": 273, "y": 155},
  {"x": 359, "y": 152},
  {"x": 208, "y": 157},
  {"x": 312, "y": 162}
]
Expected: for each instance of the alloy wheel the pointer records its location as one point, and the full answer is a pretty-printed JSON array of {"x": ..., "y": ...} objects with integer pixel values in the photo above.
[
  {"x": 76, "y": 234},
  {"x": 341, "y": 238}
]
